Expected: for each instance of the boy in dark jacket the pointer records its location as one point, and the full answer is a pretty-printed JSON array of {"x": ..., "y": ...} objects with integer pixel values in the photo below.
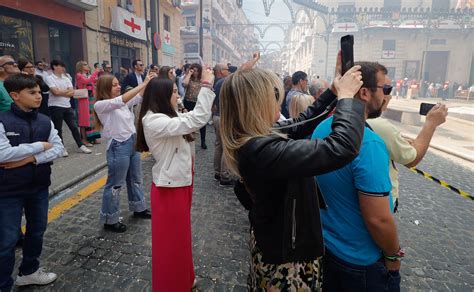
[{"x": 28, "y": 145}]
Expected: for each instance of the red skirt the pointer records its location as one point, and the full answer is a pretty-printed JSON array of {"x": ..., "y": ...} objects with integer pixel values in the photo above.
[{"x": 172, "y": 258}]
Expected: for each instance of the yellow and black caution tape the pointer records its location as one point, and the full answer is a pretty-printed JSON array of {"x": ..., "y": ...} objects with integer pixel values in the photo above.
[{"x": 442, "y": 183}]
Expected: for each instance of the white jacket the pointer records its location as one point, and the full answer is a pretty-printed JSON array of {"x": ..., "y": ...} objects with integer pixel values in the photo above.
[{"x": 164, "y": 137}]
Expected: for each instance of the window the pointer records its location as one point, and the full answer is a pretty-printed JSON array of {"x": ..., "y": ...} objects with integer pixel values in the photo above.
[
  {"x": 440, "y": 5},
  {"x": 392, "y": 4},
  {"x": 191, "y": 20},
  {"x": 191, "y": 48},
  {"x": 16, "y": 37},
  {"x": 346, "y": 6},
  {"x": 166, "y": 22},
  {"x": 438, "y": 42},
  {"x": 388, "y": 45}
]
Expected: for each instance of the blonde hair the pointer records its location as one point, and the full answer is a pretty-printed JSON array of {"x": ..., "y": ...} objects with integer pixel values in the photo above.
[
  {"x": 79, "y": 66},
  {"x": 249, "y": 100},
  {"x": 299, "y": 103},
  {"x": 103, "y": 91}
]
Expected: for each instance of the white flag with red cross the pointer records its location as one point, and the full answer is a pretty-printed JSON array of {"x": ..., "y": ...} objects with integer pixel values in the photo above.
[
  {"x": 128, "y": 23},
  {"x": 345, "y": 27},
  {"x": 166, "y": 37}
]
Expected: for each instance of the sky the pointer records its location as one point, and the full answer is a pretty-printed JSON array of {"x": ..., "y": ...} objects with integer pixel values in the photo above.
[{"x": 279, "y": 12}]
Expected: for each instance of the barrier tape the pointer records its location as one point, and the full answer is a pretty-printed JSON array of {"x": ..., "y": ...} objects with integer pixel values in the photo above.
[{"x": 442, "y": 183}]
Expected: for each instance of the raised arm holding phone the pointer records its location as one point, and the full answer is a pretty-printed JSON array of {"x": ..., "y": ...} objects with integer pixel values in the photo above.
[{"x": 277, "y": 172}]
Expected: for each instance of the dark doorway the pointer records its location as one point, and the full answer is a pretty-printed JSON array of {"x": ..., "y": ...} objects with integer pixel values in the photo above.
[{"x": 435, "y": 66}]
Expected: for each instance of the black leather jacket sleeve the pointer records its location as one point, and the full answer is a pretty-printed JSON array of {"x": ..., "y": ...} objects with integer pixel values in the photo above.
[
  {"x": 273, "y": 157},
  {"x": 315, "y": 109}
]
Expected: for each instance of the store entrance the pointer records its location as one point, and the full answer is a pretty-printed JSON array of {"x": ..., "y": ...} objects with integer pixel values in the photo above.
[{"x": 122, "y": 57}]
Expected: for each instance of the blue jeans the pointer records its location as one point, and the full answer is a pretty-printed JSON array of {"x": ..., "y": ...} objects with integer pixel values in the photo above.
[
  {"x": 36, "y": 213},
  {"x": 339, "y": 275},
  {"x": 124, "y": 167}
]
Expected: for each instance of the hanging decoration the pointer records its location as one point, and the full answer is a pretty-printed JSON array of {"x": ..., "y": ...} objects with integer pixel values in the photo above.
[
  {"x": 267, "y": 4},
  {"x": 239, "y": 3}
]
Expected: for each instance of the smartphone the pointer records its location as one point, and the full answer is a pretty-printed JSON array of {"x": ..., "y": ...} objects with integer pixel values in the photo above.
[
  {"x": 425, "y": 108},
  {"x": 347, "y": 52}
]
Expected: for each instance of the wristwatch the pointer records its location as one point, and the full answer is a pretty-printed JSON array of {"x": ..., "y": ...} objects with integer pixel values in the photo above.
[{"x": 396, "y": 257}]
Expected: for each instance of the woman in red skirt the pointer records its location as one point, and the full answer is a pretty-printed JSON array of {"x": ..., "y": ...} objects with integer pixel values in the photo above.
[
  {"x": 167, "y": 135},
  {"x": 85, "y": 106}
]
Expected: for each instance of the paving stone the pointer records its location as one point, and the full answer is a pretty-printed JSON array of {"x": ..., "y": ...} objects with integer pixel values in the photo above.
[{"x": 86, "y": 257}]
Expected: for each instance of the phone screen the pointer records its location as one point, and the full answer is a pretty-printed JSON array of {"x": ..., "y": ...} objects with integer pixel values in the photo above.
[
  {"x": 425, "y": 108},
  {"x": 347, "y": 52}
]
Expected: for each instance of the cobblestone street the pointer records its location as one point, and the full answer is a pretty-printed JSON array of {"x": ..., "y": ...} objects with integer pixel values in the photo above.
[{"x": 439, "y": 248}]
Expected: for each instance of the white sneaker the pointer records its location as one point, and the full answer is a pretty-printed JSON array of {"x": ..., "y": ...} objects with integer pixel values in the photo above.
[
  {"x": 65, "y": 154},
  {"x": 84, "y": 149},
  {"x": 40, "y": 277}
]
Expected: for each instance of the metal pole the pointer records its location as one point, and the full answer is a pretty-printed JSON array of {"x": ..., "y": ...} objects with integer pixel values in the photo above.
[
  {"x": 155, "y": 28},
  {"x": 148, "y": 43},
  {"x": 327, "y": 54},
  {"x": 201, "y": 42}
]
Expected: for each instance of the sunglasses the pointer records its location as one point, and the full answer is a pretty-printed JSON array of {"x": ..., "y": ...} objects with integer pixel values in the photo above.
[
  {"x": 12, "y": 63},
  {"x": 387, "y": 89}
]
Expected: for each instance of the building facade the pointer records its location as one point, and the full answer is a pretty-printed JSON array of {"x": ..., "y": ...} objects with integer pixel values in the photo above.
[
  {"x": 432, "y": 40},
  {"x": 44, "y": 30},
  {"x": 226, "y": 36},
  {"x": 119, "y": 32},
  {"x": 114, "y": 31}
]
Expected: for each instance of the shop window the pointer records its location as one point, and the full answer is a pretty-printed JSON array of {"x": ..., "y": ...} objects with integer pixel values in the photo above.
[
  {"x": 126, "y": 4},
  {"x": 16, "y": 38},
  {"x": 166, "y": 22},
  {"x": 59, "y": 45}
]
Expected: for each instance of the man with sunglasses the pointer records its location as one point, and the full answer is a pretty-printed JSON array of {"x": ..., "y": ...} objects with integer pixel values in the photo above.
[
  {"x": 401, "y": 150},
  {"x": 360, "y": 235},
  {"x": 134, "y": 78},
  {"x": 8, "y": 67}
]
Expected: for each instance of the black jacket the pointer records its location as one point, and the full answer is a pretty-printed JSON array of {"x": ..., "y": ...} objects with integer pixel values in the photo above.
[
  {"x": 130, "y": 81},
  {"x": 279, "y": 173}
]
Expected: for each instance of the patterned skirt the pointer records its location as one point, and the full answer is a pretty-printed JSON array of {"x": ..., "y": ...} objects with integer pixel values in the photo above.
[
  {"x": 86, "y": 117},
  {"x": 295, "y": 276}
]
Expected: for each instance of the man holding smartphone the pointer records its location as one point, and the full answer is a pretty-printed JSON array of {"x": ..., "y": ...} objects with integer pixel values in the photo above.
[
  {"x": 401, "y": 150},
  {"x": 360, "y": 235}
]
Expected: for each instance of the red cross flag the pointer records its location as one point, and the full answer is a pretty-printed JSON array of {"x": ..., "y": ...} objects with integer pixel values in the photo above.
[
  {"x": 166, "y": 37},
  {"x": 128, "y": 23},
  {"x": 412, "y": 24},
  {"x": 388, "y": 54},
  {"x": 345, "y": 27}
]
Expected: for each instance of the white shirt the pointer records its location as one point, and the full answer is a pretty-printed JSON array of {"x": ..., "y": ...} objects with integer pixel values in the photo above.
[
  {"x": 9, "y": 153},
  {"x": 139, "y": 78},
  {"x": 62, "y": 83},
  {"x": 117, "y": 120}
]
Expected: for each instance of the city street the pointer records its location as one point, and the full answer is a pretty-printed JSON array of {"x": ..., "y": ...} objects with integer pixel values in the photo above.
[{"x": 434, "y": 223}]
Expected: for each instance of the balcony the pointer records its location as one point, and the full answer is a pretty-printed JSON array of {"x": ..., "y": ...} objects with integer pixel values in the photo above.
[
  {"x": 189, "y": 30},
  {"x": 220, "y": 11},
  {"x": 82, "y": 5}
]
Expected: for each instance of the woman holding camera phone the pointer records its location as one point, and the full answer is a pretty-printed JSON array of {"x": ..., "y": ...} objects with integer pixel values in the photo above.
[
  {"x": 276, "y": 171},
  {"x": 166, "y": 134}
]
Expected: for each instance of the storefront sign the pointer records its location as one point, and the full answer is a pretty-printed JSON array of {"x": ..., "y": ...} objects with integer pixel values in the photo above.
[
  {"x": 123, "y": 42},
  {"x": 128, "y": 23},
  {"x": 7, "y": 45}
]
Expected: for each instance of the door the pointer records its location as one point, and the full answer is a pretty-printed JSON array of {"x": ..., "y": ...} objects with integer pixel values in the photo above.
[{"x": 435, "y": 67}]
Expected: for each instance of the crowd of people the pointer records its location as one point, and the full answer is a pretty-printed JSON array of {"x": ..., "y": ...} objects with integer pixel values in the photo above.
[{"x": 312, "y": 162}]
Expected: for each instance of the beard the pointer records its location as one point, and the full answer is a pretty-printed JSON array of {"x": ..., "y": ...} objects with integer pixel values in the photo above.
[{"x": 373, "y": 114}]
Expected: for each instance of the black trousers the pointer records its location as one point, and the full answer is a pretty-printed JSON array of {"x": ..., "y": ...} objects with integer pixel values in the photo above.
[
  {"x": 60, "y": 114},
  {"x": 189, "y": 105}
]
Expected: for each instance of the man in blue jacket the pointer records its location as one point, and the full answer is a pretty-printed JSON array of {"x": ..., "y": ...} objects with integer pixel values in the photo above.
[{"x": 28, "y": 144}]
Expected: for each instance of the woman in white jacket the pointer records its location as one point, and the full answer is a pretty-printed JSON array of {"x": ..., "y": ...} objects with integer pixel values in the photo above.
[{"x": 166, "y": 134}]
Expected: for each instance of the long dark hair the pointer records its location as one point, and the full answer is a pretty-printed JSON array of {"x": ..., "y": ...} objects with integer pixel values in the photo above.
[
  {"x": 163, "y": 73},
  {"x": 197, "y": 67}
]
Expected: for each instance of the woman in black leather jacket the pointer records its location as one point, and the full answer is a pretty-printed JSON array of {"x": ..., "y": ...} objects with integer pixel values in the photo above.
[{"x": 277, "y": 170}]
